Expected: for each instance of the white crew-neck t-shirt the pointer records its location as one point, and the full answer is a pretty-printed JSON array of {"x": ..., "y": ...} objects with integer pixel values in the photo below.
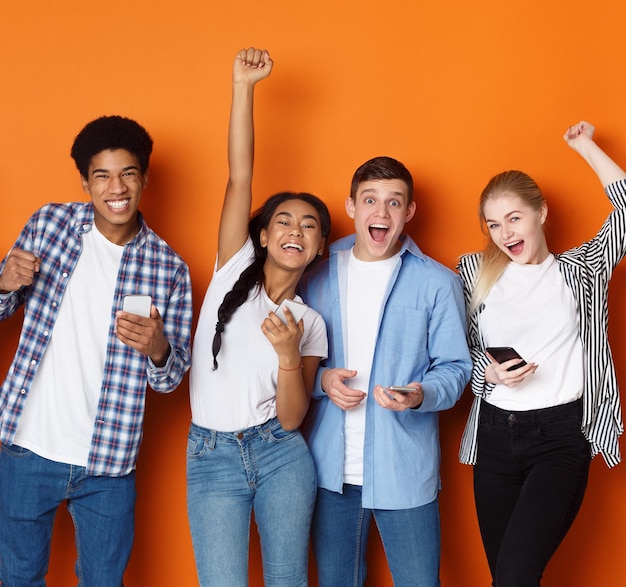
[
  {"x": 368, "y": 282},
  {"x": 531, "y": 309},
  {"x": 242, "y": 392}
]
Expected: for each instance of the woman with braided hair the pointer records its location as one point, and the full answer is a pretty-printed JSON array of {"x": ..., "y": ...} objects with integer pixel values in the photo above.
[{"x": 252, "y": 373}]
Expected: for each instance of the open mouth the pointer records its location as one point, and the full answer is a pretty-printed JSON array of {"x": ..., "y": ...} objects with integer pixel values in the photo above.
[
  {"x": 378, "y": 232},
  {"x": 293, "y": 247},
  {"x": 516, "y": 247}
]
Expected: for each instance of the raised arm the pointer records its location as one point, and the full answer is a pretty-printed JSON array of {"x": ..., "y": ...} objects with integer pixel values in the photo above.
[
  {"x": 580, "y": 138},
  {"x": 251, "y": 65}
]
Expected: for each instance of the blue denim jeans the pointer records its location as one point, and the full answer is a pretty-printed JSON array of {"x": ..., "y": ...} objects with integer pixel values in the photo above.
[
  {"x": 102, "y": 509},
  {"x": 529, "y": 482},
  {"x": 411, "y": 539},
  {"x": 264, "y": 468}
]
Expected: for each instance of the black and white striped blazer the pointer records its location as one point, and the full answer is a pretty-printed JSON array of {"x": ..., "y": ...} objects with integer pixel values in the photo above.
[{"x": 587, "y": 270}]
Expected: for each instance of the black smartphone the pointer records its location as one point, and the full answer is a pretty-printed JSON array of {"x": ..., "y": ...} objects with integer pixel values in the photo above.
[{"x": 505, "y": 353}]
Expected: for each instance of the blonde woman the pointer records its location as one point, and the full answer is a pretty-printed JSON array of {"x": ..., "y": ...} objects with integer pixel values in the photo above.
[{"x": 538, "y": 419}]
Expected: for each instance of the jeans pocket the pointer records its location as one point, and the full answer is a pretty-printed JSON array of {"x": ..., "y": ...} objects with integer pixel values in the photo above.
[
  {"x": 560, "y": 429},
  {"x": 279, "y": 434},
  {"x": 196, "y": 446},
  {"x": 16, "y": 451}
]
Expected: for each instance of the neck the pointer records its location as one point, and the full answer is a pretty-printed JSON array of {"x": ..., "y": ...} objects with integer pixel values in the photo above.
[{"x": 280, "y": 284}]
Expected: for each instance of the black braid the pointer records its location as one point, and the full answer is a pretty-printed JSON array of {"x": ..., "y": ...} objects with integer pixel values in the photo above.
[{"x": 251, "y": 276}]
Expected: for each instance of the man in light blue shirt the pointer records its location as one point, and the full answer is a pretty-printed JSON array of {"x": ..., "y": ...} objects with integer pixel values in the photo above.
[{"x": 395, "y": 318}]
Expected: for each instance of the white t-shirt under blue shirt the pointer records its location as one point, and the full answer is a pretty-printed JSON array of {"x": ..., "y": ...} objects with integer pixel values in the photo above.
[{"x": 368, "y": 282}]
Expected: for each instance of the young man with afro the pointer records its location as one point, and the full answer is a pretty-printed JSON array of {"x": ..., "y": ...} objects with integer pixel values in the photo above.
[{"x": 72, "y": 404}]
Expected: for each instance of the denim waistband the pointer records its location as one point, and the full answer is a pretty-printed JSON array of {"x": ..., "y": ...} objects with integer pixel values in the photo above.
[
  {"x": 261, "y": 430},
  {"x": 494, "y": 415}
]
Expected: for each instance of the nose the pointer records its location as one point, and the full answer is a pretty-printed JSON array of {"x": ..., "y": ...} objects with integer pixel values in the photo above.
[
  {"x": 507, "y": 232},
  {"x": 296, "y": 230},
  {"x": 117, "y": 185},
  {"x": 382, "y": 210}
]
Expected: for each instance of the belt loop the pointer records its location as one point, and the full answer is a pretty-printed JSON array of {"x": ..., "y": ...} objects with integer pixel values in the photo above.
[{"x": 212, "y": 439}]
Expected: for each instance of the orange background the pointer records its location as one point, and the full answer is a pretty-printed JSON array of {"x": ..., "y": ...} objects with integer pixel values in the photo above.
[{"x": 456, "y": 90}]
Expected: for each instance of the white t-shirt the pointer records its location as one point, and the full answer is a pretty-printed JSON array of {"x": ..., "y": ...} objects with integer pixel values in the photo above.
[
  {"x": 242, "y": 392},
  {"x": 531, "y": 309},
  {"x": 367, "y": 284},
  {"x": 59, "y": 413}
]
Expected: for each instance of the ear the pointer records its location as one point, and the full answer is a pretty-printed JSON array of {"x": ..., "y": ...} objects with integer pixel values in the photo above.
[
  {"x": 410, "y": 211},
  {"x": 85, "y": 185},
  {"x": 350, "y": 207},
  {"x": 543, "y": 213},
  {"x": 263, "y": 237},
  {"x": 145, "y": 178},
  {"x": 321, "y": 247}
]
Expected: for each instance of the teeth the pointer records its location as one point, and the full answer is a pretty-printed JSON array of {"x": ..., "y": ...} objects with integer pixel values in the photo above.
[
  {"x": 383, "y": 226},
  {"x": 117, "y": 204},
  {"x": 293, "y": 246},
  {"x": 513, "y": 244}
]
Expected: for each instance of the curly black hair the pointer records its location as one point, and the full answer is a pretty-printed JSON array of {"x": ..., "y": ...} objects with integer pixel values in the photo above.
[{"x": 110, "y": 133}]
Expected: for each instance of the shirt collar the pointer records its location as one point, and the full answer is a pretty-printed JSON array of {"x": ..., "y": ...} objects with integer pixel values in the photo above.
[{"x": 83, "y": 222}]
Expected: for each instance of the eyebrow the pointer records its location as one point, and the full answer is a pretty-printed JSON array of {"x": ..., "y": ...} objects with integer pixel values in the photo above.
[
  {"x": 375, "y": 191},
  {"x": 290, "y": 215},
  {"x": 102, "y": 170},
  {"x": 505, "y": 216}
]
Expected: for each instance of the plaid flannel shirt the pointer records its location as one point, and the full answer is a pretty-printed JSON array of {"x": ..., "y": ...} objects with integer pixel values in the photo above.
[{"x": 148, "y": 266}]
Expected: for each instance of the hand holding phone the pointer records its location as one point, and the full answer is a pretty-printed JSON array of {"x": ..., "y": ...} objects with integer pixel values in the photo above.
[
  {"x": 137, "y": 304},
  {"x": 402, "y": 388},
  {"x": 502, "y": 354},
  {"x": 297, "y": 310}
]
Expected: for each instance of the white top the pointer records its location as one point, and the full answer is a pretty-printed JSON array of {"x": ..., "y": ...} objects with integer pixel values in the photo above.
[
  {"x": 531, "y": 309},
  {"x": 368, "y": 282},
  {"x": 58, "y": 418},
  {"x": 242, "y": 392}
]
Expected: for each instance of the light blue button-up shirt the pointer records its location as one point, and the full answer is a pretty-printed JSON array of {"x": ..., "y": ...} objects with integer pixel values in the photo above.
[{"x": 421, "y": 337}]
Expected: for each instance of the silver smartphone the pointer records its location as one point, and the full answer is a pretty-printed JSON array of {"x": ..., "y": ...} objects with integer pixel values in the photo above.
[
  {"x": 402, "y": 389},
  {"x": 297, "y": 310},
  {"x": 137, "y": 304}
]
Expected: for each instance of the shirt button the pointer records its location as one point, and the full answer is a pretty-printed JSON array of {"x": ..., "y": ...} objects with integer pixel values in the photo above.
[
  {"x": 54, "y": 304},
  {"x": 22, "y": 391},
  {"x": 45, "y": 333},
  {"x": 64, "y": 274},
  {"x": 33, "y": 362}
]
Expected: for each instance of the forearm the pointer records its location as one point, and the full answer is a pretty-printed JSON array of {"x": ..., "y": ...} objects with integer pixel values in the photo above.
[
  {"x": 241, "y": 133},
  {"x": 605, "y": 168}
]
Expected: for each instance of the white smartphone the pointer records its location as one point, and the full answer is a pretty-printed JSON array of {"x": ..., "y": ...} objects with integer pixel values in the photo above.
[
  {"x": 402, "y": 389},
  {"x": 137, "y": 304},
  {"x": 297, "y": 310}
]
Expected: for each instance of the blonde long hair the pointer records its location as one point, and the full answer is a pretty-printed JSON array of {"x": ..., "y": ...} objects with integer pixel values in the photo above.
[{"x": 493, "y": 260}]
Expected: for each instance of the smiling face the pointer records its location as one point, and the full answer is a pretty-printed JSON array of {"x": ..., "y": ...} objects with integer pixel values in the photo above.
[
  {"x": 380, "y": 209},
  {"x": 517, "y": 228},
  {"x": 293, "y": 237},
  {"x": 115, "y": 184}
]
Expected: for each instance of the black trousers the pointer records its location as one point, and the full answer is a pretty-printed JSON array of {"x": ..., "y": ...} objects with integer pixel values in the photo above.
[{"x": 529, "y": 481}]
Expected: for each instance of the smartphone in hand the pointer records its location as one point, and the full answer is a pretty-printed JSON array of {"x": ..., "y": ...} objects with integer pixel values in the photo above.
[
  {"x": 505, "y": 353},
  {"x": 402, "y": 388},
  {"x": 297, "y": 310},
  {"x": 137, "y": 304}
]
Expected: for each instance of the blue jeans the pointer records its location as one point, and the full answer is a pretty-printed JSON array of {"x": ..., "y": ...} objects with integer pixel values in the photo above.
[
  {"x": 411, "y": 539},
  {"x": 529, "y": 481},
  {"x": 102, "y": 508},
  {"x": 229, "y": 474}
]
